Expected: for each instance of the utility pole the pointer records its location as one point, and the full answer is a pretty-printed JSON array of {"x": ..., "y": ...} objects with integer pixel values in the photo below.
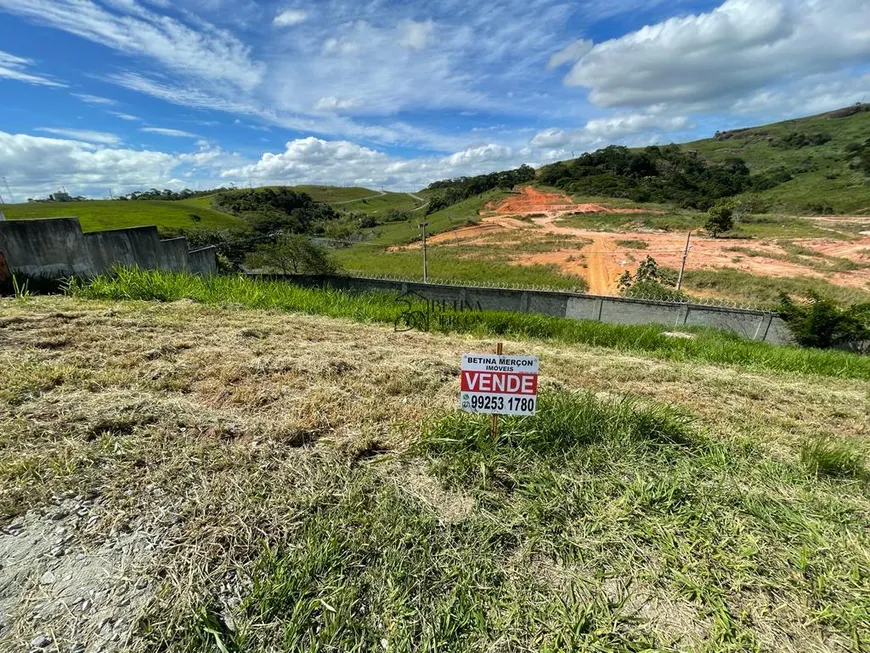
[
  {"x": 423, "y": 226},
  {"x": 683, "y": 265},
  {"x": 8, "y": 190}
]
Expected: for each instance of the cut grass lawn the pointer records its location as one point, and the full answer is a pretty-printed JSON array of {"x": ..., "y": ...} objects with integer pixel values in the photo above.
[
  {"x": 707, "y": 345},
  {"x": 115, "y": 214},
  {"x": 651, "y": 505}
]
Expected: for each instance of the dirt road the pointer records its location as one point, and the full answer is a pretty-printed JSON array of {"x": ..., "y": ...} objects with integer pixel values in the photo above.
[{"x": 601, "y": 259}]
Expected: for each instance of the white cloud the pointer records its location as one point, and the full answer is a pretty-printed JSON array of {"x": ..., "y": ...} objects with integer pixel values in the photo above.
[
  {"x": 599, "y": 132},
  {"x": 163, "y": 131},
  {"x": 38, "y": 165},
  {"x": 414, "y": 35},
  {"x": 124, "y": 116},
  {"x": 336, "y": 104},
  {"x": 12, "y": 67},
  {"x": 570, "y": 53},
  {"x": 290, "y": 17},
  {"x": 313, "y": 160},
  {"x": 623, "y": 125},
  {"x": 481, "y": 154},
  {"x": 813, "y": 94},
  {"x": 205, "y": 53},
  {"x": 324, "y": 123},
  {"x": 95, "y": 99},
  {"x": 85, "y": 135},
  {"x": 551, "y": 138},
  {"x": 719, "y": 56}
]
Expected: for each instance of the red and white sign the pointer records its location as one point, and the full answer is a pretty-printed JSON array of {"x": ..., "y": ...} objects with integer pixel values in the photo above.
[{"x": 499, "y": 384}]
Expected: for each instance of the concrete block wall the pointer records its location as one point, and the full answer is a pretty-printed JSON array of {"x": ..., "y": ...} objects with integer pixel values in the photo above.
[
  {"x": 50, "y": 248},
  {"x": 173, "y": 255},
  {"x": 203, "y": 261},
  {"x": 755, "y": 325},
  {"x": 129, "y": 247},
  {"x": 56, "y": 247}
]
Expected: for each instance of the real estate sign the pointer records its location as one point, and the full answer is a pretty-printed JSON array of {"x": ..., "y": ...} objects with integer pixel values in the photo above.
[{"x": 499, "y": 384}]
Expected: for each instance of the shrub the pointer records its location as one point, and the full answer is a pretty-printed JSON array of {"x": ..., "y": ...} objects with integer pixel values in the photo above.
[
  {"x": 720, "y": 218},
  {"x": 655, "y": 290},
  {"x": 633, "y": 244},
  {"x": 824, "y": 324},
  {"x": 651, "y": 282},
  {"x": 293, "y": 255},
  {"x": 395, "y": 215}
]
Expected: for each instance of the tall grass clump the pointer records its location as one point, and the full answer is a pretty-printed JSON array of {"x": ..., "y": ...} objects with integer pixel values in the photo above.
[
  {"x": 707, "y": 345},
  {"x": 567, "y": 426},
  {"x": 827, "y": 457}
]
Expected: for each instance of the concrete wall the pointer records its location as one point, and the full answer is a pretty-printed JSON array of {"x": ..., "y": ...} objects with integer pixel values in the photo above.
[
  {"x": 56, "y": 247},
  {"x": 203, "y": 261},
  {"x": 128, "y": 247},
  {"x": 173, "y": 255},
  {"x": 756, "y": 325},
  {"x": 46, "y": 247}
]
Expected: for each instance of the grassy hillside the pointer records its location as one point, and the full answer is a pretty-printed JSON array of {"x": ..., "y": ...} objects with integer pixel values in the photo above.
[
  {"x": 363, "y": 200},
  {"x": 801, "y": 166},
  {"x": 822, "y": 175},
  {"x": 257, "y": 480},
  {"x": 98, "y": 215},
  {"x": 114, "y": 214}
]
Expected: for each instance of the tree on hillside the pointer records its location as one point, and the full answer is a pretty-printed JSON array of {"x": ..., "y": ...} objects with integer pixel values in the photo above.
[
  {"x": 720, "y": 219},
  {"x": 451, "y": 191},
  {"x": 655, "y": 174},
  {"x": 293, "y": 254}
]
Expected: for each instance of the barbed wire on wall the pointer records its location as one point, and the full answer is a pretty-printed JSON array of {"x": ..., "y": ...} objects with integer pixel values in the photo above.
[{"x": 691, "y": 301}]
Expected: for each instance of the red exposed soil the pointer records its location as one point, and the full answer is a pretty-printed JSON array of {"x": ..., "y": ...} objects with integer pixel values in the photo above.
[
  {"x": 601, "y": 260},
  {"x": 531, "y": 201}
]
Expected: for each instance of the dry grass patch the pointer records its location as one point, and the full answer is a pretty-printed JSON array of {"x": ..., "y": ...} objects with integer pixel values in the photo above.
[{"x": 279, "y": 456}]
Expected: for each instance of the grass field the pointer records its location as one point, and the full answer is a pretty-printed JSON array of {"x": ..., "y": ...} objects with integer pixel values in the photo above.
[
  {"x": 371, "y": 257},
  {"x": 305, "y": 483},
  {"x": 114, "y": 214},
  {"x": 707, "y": 345},
  {"x": 764, "y": 226},
  {"x": 400, "y": 233},
  {"x": 758, "y": 290},
  {"x": 453, "y": 264}
]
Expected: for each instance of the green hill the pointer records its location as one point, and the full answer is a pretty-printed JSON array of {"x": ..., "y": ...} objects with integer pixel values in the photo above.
[
  {"x": 814, "y": 165},
  {"x": 363, "y": 200},
  {"x": 811, "y": 155},
  {"x": 99, "y": 215}
]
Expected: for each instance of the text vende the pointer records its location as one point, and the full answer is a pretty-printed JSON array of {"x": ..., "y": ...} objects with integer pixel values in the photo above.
[{"x": 500, "y": 383}]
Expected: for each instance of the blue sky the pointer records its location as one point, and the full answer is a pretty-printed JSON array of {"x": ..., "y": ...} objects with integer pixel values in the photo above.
[{"x": 107, "y": 96}]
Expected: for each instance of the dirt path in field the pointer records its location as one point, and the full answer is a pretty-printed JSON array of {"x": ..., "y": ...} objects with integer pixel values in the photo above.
[
  {"x": 531, "y": 201},
  {"x": 600, "y": 259}
]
